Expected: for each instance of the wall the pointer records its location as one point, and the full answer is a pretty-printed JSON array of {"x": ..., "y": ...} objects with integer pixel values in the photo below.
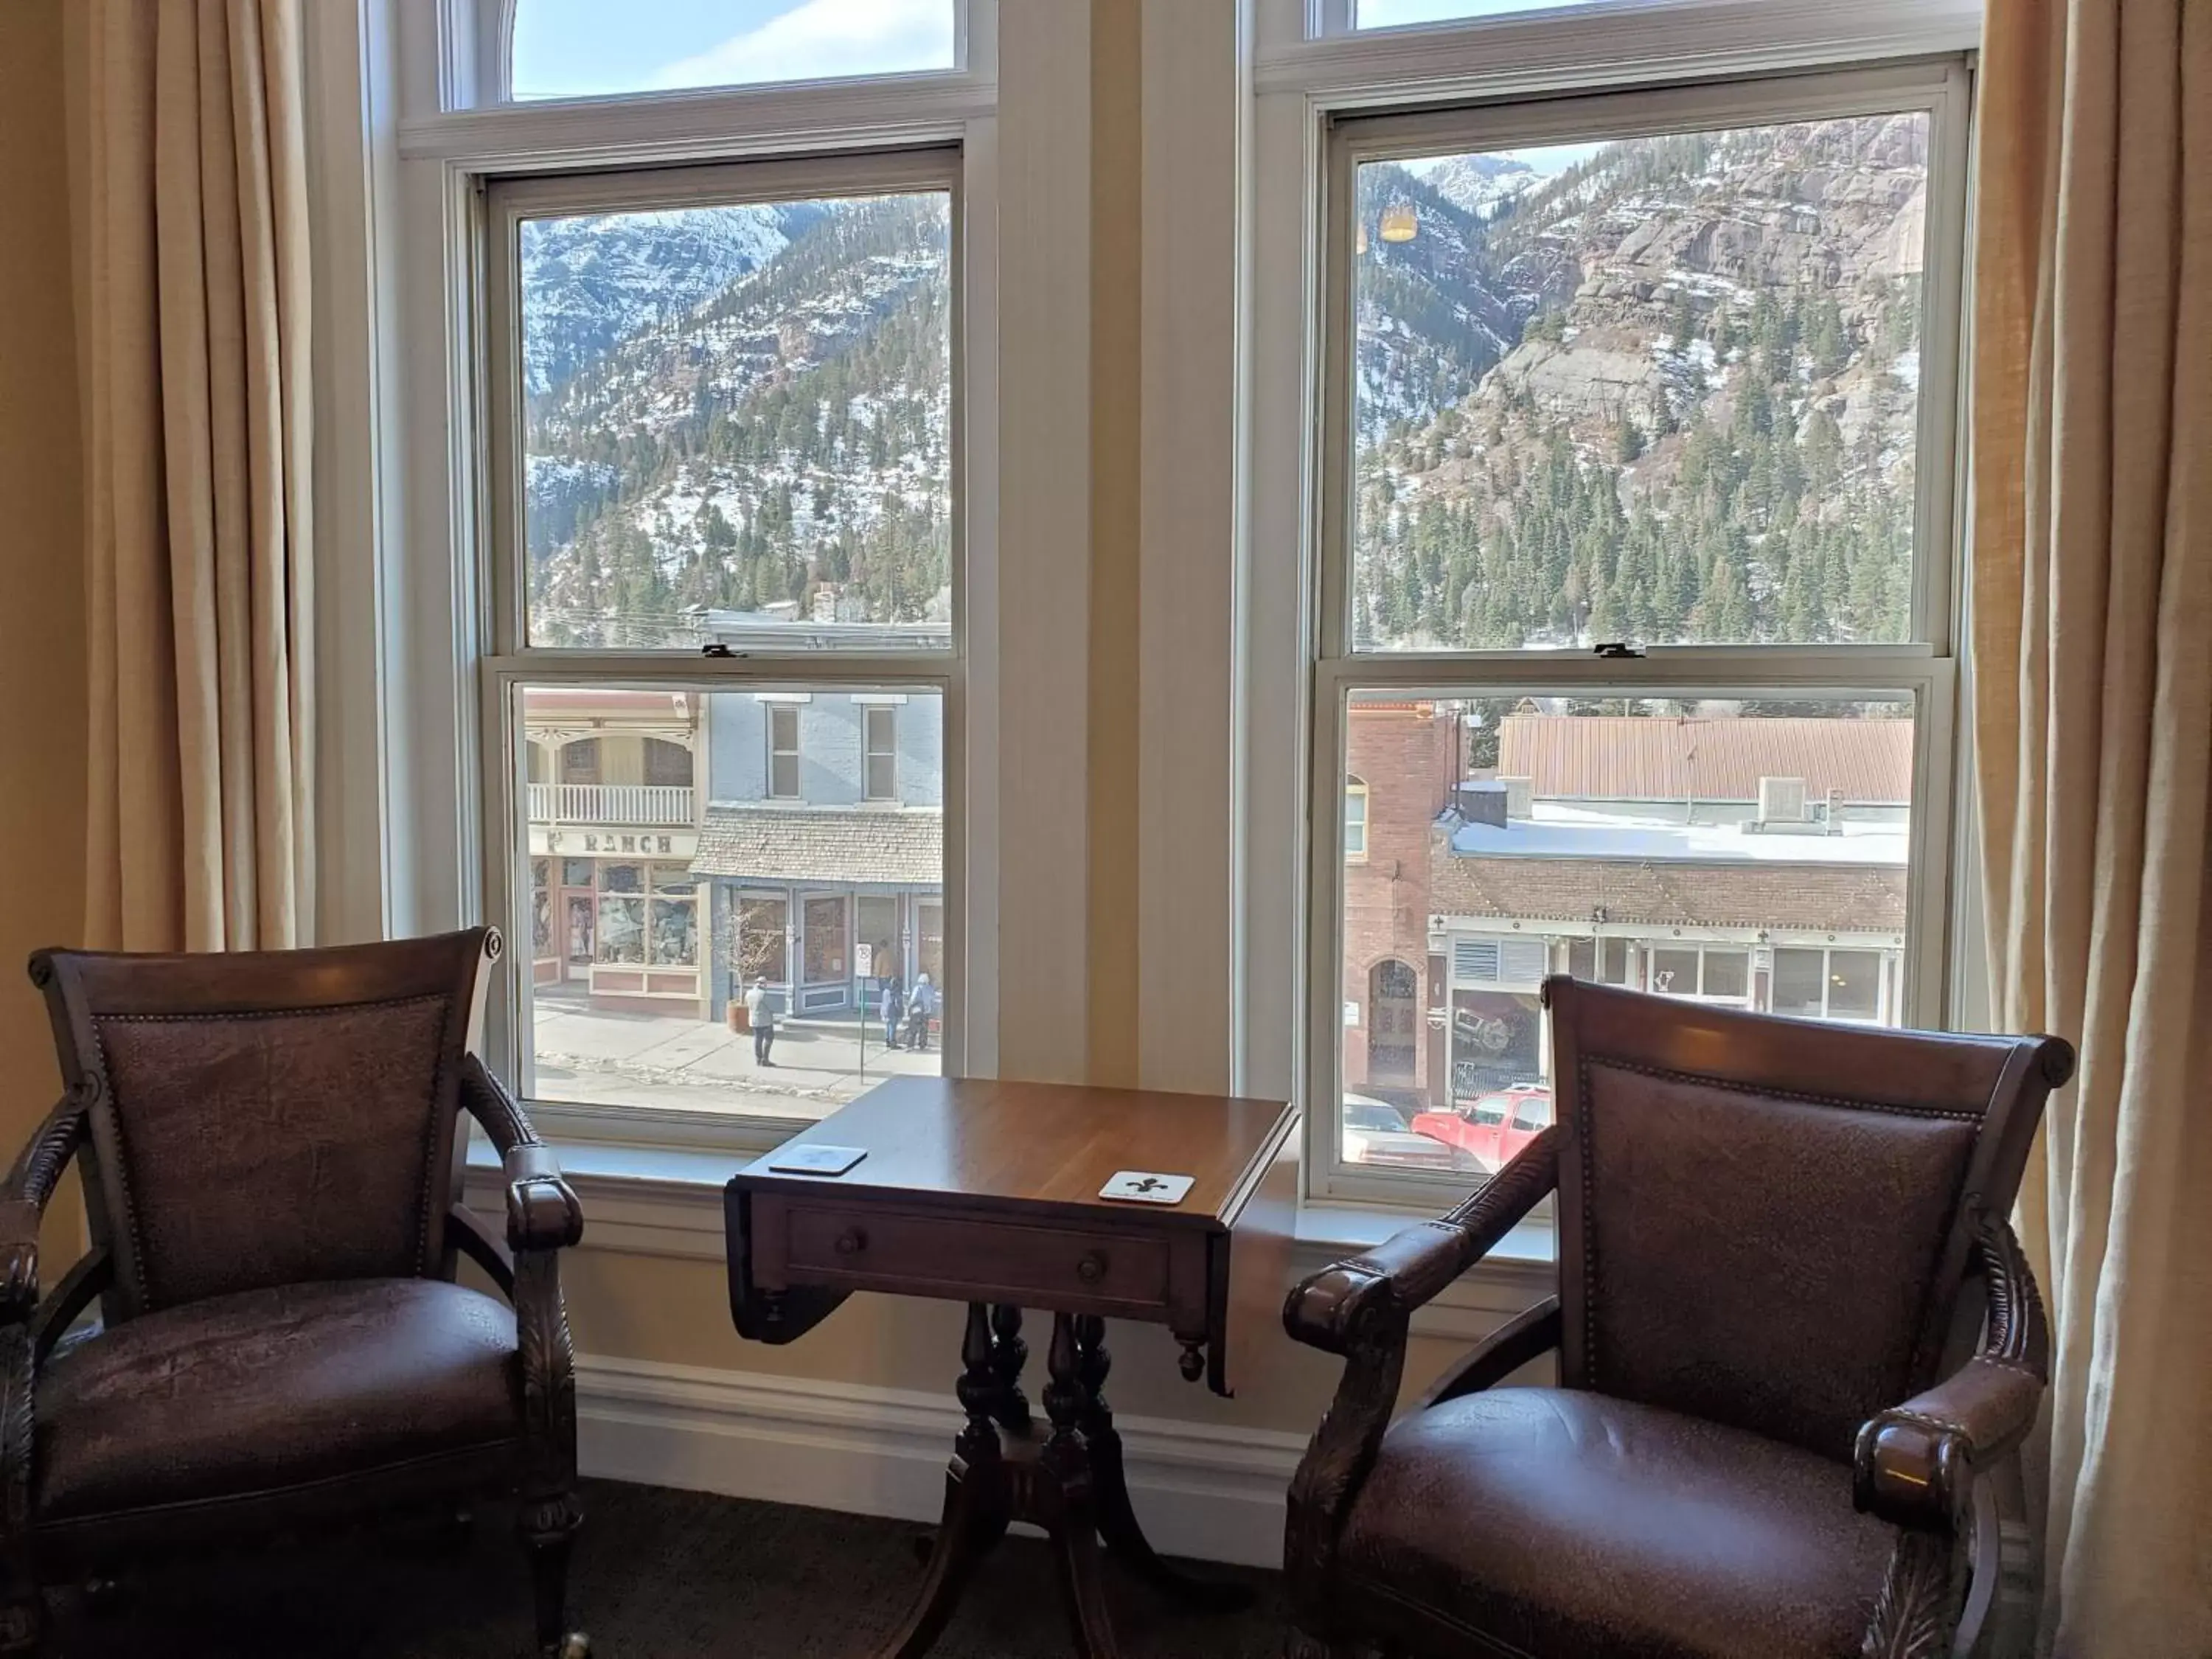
[
  {"x": 42, "y": 624},
  {"x": 830, "y": 727}
]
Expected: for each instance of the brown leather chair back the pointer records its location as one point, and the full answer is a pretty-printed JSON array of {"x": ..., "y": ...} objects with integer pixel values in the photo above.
[
  {"x": 1766, "y": 1222},
  {"x": 266, "y": 1118}
]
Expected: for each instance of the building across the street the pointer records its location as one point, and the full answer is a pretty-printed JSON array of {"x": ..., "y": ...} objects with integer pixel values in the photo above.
[
  {"x": 613, "y": 821},
  {"x": 1751, "y": 860},
  {"x": 822, "y": 844}
]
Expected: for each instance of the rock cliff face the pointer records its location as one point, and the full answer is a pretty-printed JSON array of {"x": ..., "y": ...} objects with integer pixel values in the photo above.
[
  {"x": 1670, "y": 393},
  {"x": 736, "y": 408}
]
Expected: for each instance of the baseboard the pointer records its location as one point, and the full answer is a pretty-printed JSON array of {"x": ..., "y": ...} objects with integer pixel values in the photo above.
[{"x": 1209, "y": 1494}]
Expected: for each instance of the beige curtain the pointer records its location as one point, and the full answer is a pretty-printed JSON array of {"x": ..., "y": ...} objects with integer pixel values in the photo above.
[
  {"x": 2092, "y": 596},
  {"x": 201, "y": 573}
]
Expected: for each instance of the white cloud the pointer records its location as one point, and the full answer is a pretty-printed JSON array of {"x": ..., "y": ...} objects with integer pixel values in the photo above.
[{"x": 823, "y": 38}]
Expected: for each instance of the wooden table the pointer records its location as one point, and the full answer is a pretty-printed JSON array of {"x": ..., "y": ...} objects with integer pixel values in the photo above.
[{"x": 987, "y": 1192}]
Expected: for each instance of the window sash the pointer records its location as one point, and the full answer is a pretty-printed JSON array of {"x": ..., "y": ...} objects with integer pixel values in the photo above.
[
  {"x": 1941, "y": 91},
  {"x": 1908, "y": 673},
  {"x": 1923, "y": 668},
  {"x": 506, "y": 202},
  {"x": 880, "y": 760},
  {"x": 783, "y": 777},
  {"x": 507, "y": 867}
]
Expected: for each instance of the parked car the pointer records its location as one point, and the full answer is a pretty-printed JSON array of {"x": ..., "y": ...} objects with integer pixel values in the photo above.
[
  {"x": 1493, "y": 1126},
  {"x": 1375, "y": 1131}
]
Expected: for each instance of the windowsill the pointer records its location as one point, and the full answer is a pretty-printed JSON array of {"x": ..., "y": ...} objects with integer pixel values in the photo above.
[{"x": 667, "y": 1201}]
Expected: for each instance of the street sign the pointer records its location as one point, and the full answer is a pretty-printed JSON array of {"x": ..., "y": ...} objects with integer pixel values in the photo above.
[{"x": 864, "y": 962}]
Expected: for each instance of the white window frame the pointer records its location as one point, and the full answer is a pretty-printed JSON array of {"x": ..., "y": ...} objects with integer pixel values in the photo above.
[
  {"x": 1311, "y": 73},
  {"x": 1356, "y": 788},
  {"x": 403, "y": 147},
  {"x": 869, "y": 754}
]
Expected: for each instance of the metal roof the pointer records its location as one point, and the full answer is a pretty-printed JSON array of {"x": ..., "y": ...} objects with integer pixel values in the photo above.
[{"x": 1621, "y": 758}]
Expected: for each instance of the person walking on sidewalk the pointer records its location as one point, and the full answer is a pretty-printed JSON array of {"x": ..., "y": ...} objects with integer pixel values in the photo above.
[
  {"x": 894, "y": 1005},
  {"x": 921, "y": 1009},
  {"x": 760, "y": 1014}
]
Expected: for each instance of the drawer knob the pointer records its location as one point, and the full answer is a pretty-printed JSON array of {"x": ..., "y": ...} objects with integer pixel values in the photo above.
[
  {"x": 851, "y": 1242},
  {"x": 1091, "y": 1268}
]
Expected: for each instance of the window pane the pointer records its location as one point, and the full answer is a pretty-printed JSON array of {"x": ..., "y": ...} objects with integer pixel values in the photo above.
[
  {"x": 1798, "y": 978},
  {"x": 762, "y": 941},
  {"x": 1728, "y": 973},
  {"x": 1675, "y": 973},
  {"x": 737, "y": 425},
  {"x": 1662, "y": 389},
  {"x": 587, "y": 48},
  {"x": 661, "y": 905},
  {"x": 1854, "y": 985},
  {"x": 1746, "y": 851}
]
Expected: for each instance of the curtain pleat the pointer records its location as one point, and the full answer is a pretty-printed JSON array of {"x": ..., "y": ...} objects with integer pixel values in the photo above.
[
  {"x": 202, "y": 557},
  {"x": 2091, "y": 593}
]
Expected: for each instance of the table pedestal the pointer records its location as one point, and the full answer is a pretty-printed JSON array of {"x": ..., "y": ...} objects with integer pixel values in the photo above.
[{"x": 1070, "y": 1482}]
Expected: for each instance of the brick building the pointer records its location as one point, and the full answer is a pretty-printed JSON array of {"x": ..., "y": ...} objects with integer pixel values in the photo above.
[
  {"x": 1401, "y": 762},
  {"x": 1758, "y": 862}
]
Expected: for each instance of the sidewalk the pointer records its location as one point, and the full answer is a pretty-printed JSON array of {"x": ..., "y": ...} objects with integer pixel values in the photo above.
[{"x": 675, "y": 1060}]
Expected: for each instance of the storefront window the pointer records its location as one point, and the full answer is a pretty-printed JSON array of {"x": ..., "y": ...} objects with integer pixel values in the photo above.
[
  {"x": 541, "y": 909},
  {"x": 826, "y": 952},
  {"x": 763, "y": 952}
]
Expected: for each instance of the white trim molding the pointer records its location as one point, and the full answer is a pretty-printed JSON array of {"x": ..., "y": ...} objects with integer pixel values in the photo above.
[{"x": 1203, "y": 1491}]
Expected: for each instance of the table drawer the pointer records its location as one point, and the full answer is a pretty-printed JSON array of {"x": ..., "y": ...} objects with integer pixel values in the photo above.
[{"x": 979, "y": 1259}]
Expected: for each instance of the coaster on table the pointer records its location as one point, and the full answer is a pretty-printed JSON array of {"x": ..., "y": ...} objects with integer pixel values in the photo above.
[
  {"x": 1146, "y": 1186},
  {"x": 816, "y": 1160}
]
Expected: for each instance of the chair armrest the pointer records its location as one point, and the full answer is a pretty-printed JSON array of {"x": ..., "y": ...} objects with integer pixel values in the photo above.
[
  {"x": 1914, "y": 1464},
  {"x": 23, "y": 1200},
  {"x": 1336, "y": 1309},
  {"x": 542, "y": 1210}
]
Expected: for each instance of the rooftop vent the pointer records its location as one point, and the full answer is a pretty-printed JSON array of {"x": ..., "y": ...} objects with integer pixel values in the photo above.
[{"x": 1781, "y": 800}]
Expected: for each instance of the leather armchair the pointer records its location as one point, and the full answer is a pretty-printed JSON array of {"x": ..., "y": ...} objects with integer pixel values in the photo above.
[
  {"x": 272, "y": 1169},
  {"x": 1766, "y": 1436}
]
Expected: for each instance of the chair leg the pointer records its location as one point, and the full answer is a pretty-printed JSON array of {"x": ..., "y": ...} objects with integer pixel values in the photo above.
[{"x": 549, "y": 1531}]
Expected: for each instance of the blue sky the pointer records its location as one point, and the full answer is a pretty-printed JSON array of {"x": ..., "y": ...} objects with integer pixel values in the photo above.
[{"x": 575, "y": 48}]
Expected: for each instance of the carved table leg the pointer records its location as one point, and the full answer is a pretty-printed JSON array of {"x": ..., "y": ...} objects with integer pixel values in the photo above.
[
  {"x": 1117, "y": 1518},
  {"x": 1066, "y": 1462},
  {"x": 975, "y": 1498},
  {"x": 1008, "y": 1354}
]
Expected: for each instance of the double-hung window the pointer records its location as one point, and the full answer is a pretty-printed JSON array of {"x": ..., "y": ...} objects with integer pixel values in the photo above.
[
  {"x": 880, "y": 729},
  {"x": 1634, "y": 555},
  {"x": 720, "y": 402}
]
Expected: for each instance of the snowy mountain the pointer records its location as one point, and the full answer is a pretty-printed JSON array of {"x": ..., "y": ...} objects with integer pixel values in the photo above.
[
  {"x": 768, "y": 424},
  {"x": 594, "y": 279},
  {"x": 1476, "y": 183},
  {"x": 1669, "y": 394}
]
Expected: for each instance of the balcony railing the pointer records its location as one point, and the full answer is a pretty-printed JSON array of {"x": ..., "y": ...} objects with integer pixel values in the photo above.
[{"x": 609, "y": 803}]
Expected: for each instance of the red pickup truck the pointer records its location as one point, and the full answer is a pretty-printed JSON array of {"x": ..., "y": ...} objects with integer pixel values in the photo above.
[{"x": 1491, "y": 1128}]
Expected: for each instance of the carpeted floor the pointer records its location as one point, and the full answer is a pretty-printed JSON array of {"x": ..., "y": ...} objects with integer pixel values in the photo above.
[{"x": 659, "y": 1575}]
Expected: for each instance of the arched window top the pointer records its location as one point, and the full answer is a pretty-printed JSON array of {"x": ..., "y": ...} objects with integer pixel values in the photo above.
[{"x": 590, "y": 48}]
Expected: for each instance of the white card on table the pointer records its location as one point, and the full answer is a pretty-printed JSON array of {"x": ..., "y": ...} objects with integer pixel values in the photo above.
[
  {"x": 1146, "y": 1186},
  {"x": 816, "y": 1160}
]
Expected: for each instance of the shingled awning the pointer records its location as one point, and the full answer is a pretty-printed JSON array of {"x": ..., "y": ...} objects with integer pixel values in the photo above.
[{"x": 833, "y": 846}]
